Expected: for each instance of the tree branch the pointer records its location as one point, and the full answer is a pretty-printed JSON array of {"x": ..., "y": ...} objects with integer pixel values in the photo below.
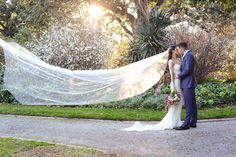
[
  {"x": 121, "y": 23},
  {"x": 124, "y": 27},
  {"x": 2, "y": 17},
  {"x": 159, "y": 3},
  {"x": 116, "y": 7},
  {"x": 2, "y": 31},
  {"x": 112, "y": 6},
  {"x": 2, "y": 24},
  {"x": 142, "y": 7},
  {"x": 120, "y": 7}
]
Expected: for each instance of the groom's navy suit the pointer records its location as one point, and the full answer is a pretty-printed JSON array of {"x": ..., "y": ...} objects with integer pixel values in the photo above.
[{"x": 188, "y": 85}]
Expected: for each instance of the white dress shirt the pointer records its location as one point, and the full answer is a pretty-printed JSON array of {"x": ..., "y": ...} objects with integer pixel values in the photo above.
[{"x": 185, "y": 54}]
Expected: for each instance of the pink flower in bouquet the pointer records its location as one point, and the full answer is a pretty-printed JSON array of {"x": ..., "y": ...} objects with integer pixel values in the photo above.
[{"x": 171, "y": 99}]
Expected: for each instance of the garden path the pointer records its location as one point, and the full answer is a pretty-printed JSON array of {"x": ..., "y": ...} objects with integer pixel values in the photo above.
[{"x": 210, "y": 138}]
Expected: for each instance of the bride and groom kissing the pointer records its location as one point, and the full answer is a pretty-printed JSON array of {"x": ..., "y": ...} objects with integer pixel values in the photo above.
[{"x": 181, "y": 65}]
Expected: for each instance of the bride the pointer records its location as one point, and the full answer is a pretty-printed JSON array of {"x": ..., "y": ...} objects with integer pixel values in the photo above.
[{"x": 172, "y": 118}]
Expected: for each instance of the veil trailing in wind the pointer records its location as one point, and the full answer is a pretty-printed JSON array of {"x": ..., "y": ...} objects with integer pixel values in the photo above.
[{"x": 34, "y": 82}]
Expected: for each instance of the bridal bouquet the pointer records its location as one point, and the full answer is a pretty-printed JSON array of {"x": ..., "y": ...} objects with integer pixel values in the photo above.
[{"x": 172, "y": 99}]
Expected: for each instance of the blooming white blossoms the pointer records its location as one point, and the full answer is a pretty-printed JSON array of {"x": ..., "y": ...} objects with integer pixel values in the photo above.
[{"x": 75, "y": 47}]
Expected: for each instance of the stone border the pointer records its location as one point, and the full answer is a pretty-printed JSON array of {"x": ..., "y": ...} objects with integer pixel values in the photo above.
[{"x": 41, "y": 117}]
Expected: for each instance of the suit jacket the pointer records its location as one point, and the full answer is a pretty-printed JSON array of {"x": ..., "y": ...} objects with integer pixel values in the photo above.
[{"x": 187, "y": 76}]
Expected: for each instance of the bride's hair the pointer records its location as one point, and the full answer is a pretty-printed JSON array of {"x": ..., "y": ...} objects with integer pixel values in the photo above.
[{"x": 171, "y": 51}]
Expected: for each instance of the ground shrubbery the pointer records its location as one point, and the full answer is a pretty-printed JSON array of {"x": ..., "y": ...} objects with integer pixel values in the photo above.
[
  {"x": 212, "y": 93},
  {"x": 143, "y": 101},
  {"x": 5, "y": 96},
  {"x": 216, "y": 93}
]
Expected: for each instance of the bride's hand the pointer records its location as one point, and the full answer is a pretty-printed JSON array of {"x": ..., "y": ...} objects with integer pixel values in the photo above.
[
  {"x": 174, "y": 89},
  {"x": 176, "y": 76}
]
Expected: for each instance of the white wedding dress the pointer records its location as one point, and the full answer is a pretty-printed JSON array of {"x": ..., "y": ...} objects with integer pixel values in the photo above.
[{"x": 173, "y": 118}]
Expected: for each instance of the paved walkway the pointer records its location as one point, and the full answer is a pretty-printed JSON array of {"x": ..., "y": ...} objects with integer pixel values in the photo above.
[{"x": 209, "y": 139}]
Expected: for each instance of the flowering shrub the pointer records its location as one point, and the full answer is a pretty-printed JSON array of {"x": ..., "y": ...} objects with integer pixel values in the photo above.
[
  {"x": 73, "y": 47},
  {"x": 207, "y": 48}
]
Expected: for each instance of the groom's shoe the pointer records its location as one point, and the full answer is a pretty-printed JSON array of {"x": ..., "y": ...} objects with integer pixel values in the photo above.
[
  {"x": 193, "y": 125},
  {"x": 182, "y": 128}
]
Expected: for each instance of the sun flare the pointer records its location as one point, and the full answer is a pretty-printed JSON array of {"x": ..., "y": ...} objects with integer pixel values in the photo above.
[{"x": 95, "y": 11}]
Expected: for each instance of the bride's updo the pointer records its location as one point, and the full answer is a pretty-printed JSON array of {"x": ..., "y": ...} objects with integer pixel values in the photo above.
[{"x": 170, "y": 51}]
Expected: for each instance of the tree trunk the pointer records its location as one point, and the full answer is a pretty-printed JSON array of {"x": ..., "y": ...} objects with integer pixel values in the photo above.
[
  {"x": 120, "y": 8},
  {"x": 142, "y": 14}
]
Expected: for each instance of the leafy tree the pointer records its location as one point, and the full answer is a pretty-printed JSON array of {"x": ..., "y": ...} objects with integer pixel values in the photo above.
[
  {"x": 17, "y": 14},
  {"x": 8, "y": 18},
  {"x": 227, "y": 5}
]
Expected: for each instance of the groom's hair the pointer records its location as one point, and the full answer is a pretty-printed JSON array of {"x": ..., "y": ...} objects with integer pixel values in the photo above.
[{"x": 183, "y": 45}]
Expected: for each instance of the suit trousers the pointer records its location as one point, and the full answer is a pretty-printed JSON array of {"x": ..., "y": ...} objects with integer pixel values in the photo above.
[{"x": 191, "y": 107}]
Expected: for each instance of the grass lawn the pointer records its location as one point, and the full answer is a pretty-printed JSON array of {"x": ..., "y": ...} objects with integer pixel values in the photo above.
[
  {"x": 10, "y": 146},
  {"x": 18, "y": 148},
  {"x": 107, "y": 114}
]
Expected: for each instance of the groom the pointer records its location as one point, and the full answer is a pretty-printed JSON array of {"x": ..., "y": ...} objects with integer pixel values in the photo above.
[{"x": 188, "y": 85}]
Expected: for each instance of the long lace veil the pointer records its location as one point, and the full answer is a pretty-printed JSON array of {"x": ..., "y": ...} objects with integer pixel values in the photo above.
[{"x": 34, "y": 82}]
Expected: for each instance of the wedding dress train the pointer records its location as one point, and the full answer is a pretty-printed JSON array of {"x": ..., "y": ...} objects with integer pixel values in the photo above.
[{"x": 172, "y": 118}]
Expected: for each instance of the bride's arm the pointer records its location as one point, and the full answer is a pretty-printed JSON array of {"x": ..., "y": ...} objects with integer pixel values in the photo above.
[{"x": 170, "y": 65}]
